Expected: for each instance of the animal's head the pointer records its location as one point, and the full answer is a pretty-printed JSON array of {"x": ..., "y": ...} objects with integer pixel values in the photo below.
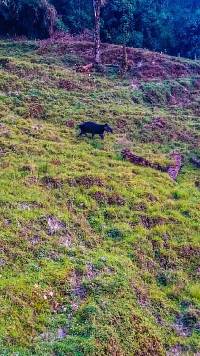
[{"x": 107, "y": 128}]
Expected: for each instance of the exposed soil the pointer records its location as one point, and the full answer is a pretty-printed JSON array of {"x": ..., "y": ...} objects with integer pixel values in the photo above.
[
  {"x": 110, "y": 199},
  {"x": 143, "y": 64},
  {"x": 86, "y": 181},
  {"x": 141, "y": 161}
]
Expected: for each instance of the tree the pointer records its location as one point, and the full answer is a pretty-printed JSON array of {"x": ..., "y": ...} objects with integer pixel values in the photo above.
[
  {"x": 32, "y": 18},
  {"x": 119, "y": 21},
  {"x": 75, "y": 15},
  {"x": 97, "y": 4},
  {"x": 125, "y": 30}
]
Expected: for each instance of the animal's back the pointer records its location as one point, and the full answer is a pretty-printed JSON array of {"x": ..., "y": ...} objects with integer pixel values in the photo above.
[{"x": 89, "y": 125}]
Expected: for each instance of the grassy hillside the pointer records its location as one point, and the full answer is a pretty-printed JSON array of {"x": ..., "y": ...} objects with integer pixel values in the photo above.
[{"x": 97, "y": 256}]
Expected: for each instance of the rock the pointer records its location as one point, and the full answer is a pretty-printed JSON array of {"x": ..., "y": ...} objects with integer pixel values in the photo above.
[
  {"x": 175, "y": 167},
  {"x": 92, "y": 272},
  {"x": 54, "y": 225},
  {"x": 77, "y": 288},
  {"x": 61, "y": 333},
  {"x": 29, "y": 205},
  {"x": 176, "y": 350},
  {"x": 66, "y": 240},
  {"x": 35, "y": 240},
  {"x": 2, "y": 262},
  {"x": 25, "y": 206}
]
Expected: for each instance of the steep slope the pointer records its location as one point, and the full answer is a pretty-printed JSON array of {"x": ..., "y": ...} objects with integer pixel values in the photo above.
[
  {"x": 143, "y": 64},
  {"x": 98, "y": 256}
]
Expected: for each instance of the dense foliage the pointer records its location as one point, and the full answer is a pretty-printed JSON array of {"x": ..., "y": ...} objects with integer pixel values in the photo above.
[
  {"x": 160, "y": 25},
  {"x": 33, "y": 18}
]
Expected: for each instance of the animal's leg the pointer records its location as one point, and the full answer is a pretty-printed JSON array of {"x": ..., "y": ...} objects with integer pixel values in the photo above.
[
  {"x": 81, "y": 134},
  {"x": 102, "y": 136}
]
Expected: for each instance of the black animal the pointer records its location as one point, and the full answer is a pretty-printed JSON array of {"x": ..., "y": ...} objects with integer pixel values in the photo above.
[{"x": 94, "y": 129}]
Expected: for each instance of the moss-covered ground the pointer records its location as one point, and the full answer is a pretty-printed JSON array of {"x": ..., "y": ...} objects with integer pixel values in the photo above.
[{"x": 97, "y": 256}]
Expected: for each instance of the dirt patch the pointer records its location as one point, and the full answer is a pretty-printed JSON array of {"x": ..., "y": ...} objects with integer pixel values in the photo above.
[
  {"x": 32, "y": 180},
  {"x": 4, "y": 131},
  {"x": 161, "y": 130},
  {"x": 173, "y": 169},
  {"x": 143, "y": 261},
  {"x": 189, "y": 251},
  {"x": 157, "y": 123},
  {"x": 112, "y": 199},
  {"x": 48, "y": 336},
  {"x": 51, "y": 183},
  {"x": 121, "y": 125},
  {"x": 141, "y": 161},
  {"x": 86, "y": 181},
  {"x": 139, "y": 206},
  {"x": 141, "y": 295},
  {"x": 36, "y": 110},
  {"x": 150, "y": 222},
  {"x": 91, "y": 271},
  {"x": 56, "y": 162},
  {"x": 35, "y": 240},
  {"x": 186, "y": 323},
  {"x": 124, "y": 142},
  {"x": 70, "y": 123},
  {"x": 67, "y": 85},
  {"x": 27, "y": 168},
  {"x": 150, "y": 197},
  {"x": 77, "y": 289},
  {"x": 178, "y": 350}
]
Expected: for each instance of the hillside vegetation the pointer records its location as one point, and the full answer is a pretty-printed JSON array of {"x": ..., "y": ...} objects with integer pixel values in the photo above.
[
  {"x": 169, "y": 26},
  {"x": 98, "y": 256}
]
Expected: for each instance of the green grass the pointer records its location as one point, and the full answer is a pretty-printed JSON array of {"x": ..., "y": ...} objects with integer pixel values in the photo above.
[{"x": 99, "y": 282}]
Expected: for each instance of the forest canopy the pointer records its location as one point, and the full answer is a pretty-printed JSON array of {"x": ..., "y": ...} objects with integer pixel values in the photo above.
[{"x": 171, "y": 26}]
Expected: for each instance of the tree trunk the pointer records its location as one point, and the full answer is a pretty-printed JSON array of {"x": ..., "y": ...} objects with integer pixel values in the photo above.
[
  {"x": 124, "y": 61},
  {"x": 97, "y": 11}
]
